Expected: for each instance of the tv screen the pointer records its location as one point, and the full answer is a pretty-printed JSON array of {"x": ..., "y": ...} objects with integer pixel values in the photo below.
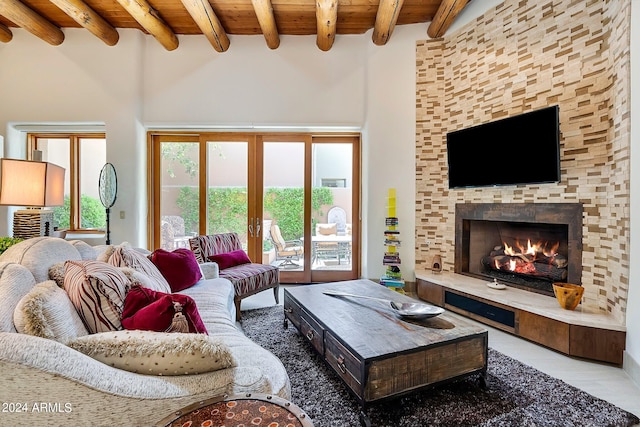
[{"x": 523, "y": 149}]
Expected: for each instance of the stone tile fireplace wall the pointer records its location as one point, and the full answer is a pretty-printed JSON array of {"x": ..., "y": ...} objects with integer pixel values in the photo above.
[{"x": 519, "y": 57}]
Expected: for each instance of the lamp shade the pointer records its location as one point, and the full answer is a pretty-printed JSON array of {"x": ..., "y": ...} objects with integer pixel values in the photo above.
[{"x": 28, "y": 183}]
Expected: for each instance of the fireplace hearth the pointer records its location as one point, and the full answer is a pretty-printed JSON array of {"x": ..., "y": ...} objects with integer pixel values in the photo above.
[{"x": 524, "y": 245}]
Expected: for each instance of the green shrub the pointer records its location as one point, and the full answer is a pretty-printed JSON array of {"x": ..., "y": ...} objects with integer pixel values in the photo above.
[
  {"x": 228, "y": 209},
  {"x": 92, "y": 213},
  {"x": 6, "y": 242}
]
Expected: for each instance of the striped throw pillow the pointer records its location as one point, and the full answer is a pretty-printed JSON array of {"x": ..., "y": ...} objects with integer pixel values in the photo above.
[
  {"x": 126, "y": 256},
  {"x": 97, "y": 291}
]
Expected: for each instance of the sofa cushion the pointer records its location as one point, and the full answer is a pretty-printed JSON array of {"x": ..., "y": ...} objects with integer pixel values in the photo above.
[
  {"x": 39, "y": 254},
  {"x": 247, "y": 278},
  {"x": 230, "y": 259},
  {"x": 15, "y": 282},
  {"x": 148, "y": 310},
  {"x": 156, "y": 353},
  {"x": 126, "y": 256},
  {"x": 178, "y": 267},
  {"x": 97, "y": 291},
  {"x": 47, "y": 312}
]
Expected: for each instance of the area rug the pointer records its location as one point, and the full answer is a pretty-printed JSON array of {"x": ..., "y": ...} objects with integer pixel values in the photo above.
[{"x": 517, "y": 394}]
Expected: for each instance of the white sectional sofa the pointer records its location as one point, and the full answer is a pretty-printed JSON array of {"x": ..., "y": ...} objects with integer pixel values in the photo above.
[{"x": 45, "y": 381}]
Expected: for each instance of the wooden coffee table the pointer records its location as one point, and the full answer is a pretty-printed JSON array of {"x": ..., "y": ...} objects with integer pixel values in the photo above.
[{"x": 377, "y": 354}]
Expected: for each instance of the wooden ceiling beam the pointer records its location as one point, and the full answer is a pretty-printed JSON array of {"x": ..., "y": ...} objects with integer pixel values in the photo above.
[
  {"x": 24, "y": 17},
  {"x": 151, "y": 21},
  {"x": 82, "y": 13},
  {"x": 386, "y": 18},
  {"x": 326, "y": 22},
  {"x": 444, "y": 17},
  {"x": 267, "y": 21},
  {"x": 206, "y": 19},
  {"x": 5, "y": 34}
]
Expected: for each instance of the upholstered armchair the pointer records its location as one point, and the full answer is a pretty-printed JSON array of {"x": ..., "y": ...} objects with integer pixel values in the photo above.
[{"x": 248, "y": 278}]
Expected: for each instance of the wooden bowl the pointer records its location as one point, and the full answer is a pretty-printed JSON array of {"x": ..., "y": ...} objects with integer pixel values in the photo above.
[{"x": 568, "y": 295}]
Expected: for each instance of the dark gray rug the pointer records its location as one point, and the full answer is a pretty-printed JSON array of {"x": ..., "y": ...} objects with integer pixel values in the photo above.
[{"x": 517, "y": 395}]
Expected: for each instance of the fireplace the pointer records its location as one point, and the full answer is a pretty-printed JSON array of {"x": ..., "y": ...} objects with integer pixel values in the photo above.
[{"x": 524, "y": 245}]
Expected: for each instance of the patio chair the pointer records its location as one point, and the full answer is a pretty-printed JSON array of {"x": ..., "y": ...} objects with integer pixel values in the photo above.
[
  {"x": 286, "y": 251},
  {"x": 173, "y": 232},
  {"x": 328, "y": 249}
]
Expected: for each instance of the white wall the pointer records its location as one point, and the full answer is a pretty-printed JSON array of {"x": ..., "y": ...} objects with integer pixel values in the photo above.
[
  {"x": 81, "y": 82},
  {"x": 632, "y": 356},
  {"x": 137, "y": 85}
]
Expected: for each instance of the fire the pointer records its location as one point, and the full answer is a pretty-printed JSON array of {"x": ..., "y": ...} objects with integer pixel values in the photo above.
[
  {"x": 531, "y": 249},
  {"x": 521, "y": 257}
]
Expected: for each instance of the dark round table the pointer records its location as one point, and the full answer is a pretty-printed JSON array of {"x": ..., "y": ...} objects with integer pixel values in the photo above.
[{"x": 242, "y": 410}]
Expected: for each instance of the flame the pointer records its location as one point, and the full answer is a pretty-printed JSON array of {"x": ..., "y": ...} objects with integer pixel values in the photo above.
[{"x": 523, "y": 256}]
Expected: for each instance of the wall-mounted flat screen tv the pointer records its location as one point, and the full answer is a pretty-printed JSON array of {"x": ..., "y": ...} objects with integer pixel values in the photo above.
[{"x": 522, "y": 149}]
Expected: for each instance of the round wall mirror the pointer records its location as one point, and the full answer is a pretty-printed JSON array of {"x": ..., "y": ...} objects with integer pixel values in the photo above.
[{"x": 108, "y": 190}]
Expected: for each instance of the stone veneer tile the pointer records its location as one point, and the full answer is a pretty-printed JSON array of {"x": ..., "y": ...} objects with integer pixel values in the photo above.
[{"x": 518, "y": 57}]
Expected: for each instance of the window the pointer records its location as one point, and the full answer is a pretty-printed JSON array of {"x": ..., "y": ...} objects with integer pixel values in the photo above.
[{"x": 82, "y": 156}]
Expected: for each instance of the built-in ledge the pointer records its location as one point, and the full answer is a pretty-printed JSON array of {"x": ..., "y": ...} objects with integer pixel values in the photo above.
[{"x": 583, "y": 332}]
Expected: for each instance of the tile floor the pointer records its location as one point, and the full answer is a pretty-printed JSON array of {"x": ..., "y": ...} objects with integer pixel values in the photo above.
[{"x": 601, "y": 380}]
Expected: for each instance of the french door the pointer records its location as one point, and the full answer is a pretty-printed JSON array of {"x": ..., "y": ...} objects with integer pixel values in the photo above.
[{"x": 292, "y": 198}]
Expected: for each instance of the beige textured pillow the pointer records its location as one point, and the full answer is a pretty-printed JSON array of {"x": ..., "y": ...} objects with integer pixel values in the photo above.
[
  {"x": 145, "y": 281},
  {"x": 156, "y": 353},
  {"x": 15, "y": 282},
  {"x": 56, "y": 273},
  {"x": 86, "y": 250},
  {"x": 127, "y": 257},
  {"x": 47, "y": 312}
]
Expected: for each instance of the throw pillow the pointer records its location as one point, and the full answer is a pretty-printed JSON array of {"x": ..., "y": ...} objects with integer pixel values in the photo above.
[
  {"x": 178, "y": 267},
  {"x": 15, "y": 282},
  {"x": 56, "y": 273},
  {"x": 148, "y": 310},
  {"x": 86, "y": 250},
  {"x": 97, "y": 290},
  {"x": 47, "y": 312},
  {"x": 327, "y": 229},
  {"x": 126, "y": 256},
  {"x": 230, "y": 259},
  {"x": 157, "y": 353},
  {"x": 138, "y": 277}
]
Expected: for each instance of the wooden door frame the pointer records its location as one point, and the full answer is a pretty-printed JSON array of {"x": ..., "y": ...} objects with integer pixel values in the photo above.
[{"x": 255, "y": 188}]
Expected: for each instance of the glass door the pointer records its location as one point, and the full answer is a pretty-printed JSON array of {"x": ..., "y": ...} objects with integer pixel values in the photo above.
[
  {"x": 334, "y": 209},
  {"x": 292, "y": 198},
  {"x": 283, "y": 206},
  {"x": 176, "y": 192}
]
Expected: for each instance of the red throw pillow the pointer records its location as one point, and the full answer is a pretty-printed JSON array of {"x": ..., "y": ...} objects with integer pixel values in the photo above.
[
  {"x": 179, "y": 267},
  {"x": 230, "y": 259},
  {"x": 149, "y": 310}
]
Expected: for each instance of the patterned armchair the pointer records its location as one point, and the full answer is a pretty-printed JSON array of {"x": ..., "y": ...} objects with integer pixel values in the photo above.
[{"x": 248, "y": 278}]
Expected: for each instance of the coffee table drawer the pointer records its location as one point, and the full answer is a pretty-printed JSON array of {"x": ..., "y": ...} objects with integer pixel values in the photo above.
[
  {"x": 292, "y": 311},
  {"x": 349, "y": 367},
  {"x": 310, "y": 329}
]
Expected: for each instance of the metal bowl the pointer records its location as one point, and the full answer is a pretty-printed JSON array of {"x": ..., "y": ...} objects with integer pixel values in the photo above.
[{"x": 412, "y": 310}]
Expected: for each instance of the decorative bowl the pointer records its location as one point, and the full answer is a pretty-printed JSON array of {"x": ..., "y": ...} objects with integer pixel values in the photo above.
[{"x": 568, "y": 294}]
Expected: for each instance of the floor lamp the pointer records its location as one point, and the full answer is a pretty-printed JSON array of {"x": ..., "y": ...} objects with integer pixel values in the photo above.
[{"x": 35, "y": 185}]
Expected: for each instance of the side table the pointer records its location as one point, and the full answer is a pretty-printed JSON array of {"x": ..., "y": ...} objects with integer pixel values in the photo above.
[{"x": 249, "y": 409}]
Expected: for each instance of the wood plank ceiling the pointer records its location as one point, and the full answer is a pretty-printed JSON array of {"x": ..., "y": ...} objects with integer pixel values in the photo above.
[{"x": 215, "y": 19}]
